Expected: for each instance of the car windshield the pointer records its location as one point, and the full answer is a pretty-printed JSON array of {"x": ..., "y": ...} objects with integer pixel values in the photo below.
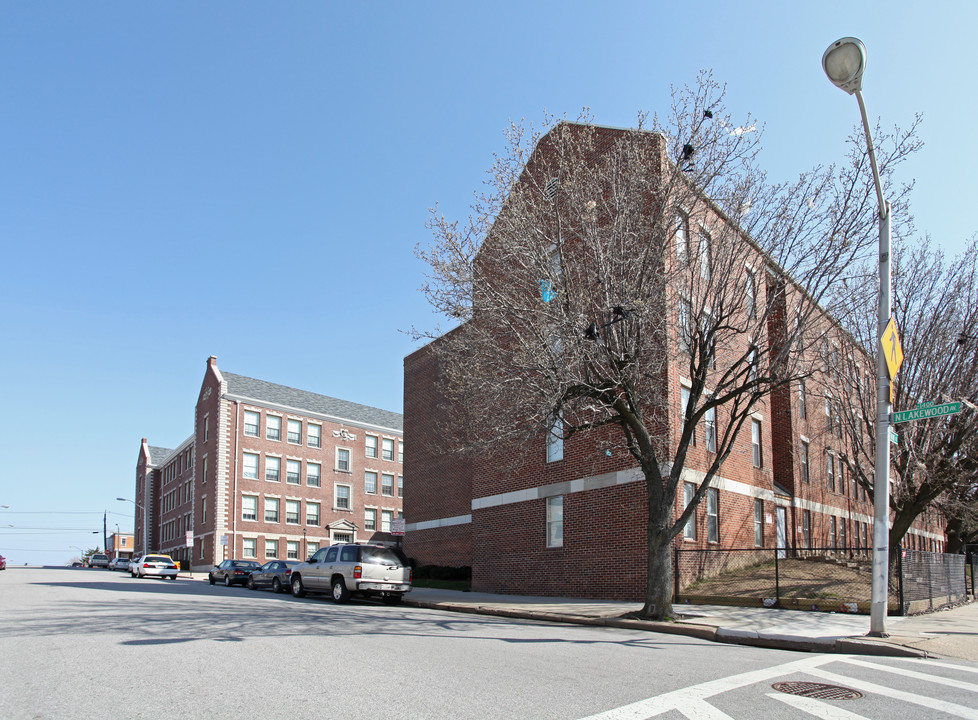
[{"x": 378, "y": 556}]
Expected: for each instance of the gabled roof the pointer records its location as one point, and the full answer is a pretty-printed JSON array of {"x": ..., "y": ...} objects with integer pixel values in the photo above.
[
  {"x": 157, "y": 455},
  {"x": 261, "y": 391}
]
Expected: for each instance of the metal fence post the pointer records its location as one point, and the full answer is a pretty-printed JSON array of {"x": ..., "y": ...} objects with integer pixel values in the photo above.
[
  {"x": 899, "y": 568},
  {"x": 777, "y": 581}
]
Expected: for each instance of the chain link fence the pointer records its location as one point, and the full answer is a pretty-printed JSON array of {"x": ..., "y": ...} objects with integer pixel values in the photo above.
[{"x": 828, "y": 579}]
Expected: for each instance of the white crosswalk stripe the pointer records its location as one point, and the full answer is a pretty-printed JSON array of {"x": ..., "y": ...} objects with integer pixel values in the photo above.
[
  {"x": 692, "y": 702},
  {"x": 816, "y": 708},
  {"x": 933, "y": 703}
]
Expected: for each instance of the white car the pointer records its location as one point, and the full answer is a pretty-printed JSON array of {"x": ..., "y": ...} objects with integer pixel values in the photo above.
[{"x": 153, "y": 566}]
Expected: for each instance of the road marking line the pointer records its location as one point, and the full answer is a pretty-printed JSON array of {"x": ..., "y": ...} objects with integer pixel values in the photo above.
[
  {"x": 960, "y": 684},
  {"x": 702, "y": 710},
  {"x": 940, "y": 705},
  {"x": 935, "y": 663},
  {"x": 679, "y": 699},
  {"x": 817, "y": 708}
]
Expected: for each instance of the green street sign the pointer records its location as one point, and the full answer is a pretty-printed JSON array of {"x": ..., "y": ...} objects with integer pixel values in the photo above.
[
  {"x": 893, "y": 436},
  {"x": 926, "y": 411}
]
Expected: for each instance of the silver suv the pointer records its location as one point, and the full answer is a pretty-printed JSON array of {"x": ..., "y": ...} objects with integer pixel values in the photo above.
[
  {"x": 347, "y": 569},
  {"x": 98, "y": 560}
]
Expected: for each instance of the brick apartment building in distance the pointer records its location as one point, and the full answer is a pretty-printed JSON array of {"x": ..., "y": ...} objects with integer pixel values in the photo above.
[
  {"x": 270, "y": 472},
  {"x": 571, "y": 518}
]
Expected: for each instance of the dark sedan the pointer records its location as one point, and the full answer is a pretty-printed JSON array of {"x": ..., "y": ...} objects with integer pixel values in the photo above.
[
  {"x": 274, "y": 574},
  {"x": 232, "y": 572}
]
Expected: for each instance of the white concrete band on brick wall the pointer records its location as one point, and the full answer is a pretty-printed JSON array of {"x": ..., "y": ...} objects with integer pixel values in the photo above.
[{"x": 623, "y": 477}]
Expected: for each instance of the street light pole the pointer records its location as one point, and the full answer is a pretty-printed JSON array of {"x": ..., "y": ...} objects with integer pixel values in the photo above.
[{"x": 844, "y": 62}]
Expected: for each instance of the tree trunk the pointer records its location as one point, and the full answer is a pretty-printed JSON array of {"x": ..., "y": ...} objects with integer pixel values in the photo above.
[{"x": 659, "y": 586}]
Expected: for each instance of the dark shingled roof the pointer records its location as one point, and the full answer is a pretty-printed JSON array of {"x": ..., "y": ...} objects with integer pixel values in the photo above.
[
  {"x": 157, "y": 455},
  {"x": 342, "y": 410}
]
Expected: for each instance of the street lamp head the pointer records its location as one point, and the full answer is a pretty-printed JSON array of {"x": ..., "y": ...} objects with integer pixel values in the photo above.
[
  {"x": 124, "y": 499},
  {"x": 844, "y": 62}
]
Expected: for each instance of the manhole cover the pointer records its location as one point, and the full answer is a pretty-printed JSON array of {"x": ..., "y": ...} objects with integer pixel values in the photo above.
[{"x": 820, "y": 691}]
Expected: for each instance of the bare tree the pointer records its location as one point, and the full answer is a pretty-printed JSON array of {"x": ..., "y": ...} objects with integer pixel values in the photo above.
[
  {"x": 600, "y": 259},
  {"x": 936, "y": 303}
]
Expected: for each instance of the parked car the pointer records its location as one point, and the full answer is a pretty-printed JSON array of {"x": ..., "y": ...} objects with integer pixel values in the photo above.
[
  {"x": 119, "y": 564},
  {"x": 274, "y": 574},
  {"x": 3, "y": 563},
  {"x": 347, "y": 569},
  {"x": 232, "y": 572},
  {"x": 154, "y": 565},
  {"x": 98, "y": 560}
]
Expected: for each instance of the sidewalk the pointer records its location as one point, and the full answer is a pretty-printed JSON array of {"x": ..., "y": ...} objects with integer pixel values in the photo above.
[{"x": 947, "y": 633}]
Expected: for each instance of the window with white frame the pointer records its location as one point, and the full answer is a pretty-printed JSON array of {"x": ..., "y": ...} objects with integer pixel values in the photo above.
[
  {"x": 249, "y": 547},
  {"x": 271, "y": 548},
  {"x": 250, "y": 466},
  {"x": 832, "y": 531},
  {"x": 752, "y": 363},
  {"x": 387, "y": 449},
  {"x": 706, "y": 262},
  {"x": 400, "y": 486},
  {"x": 312, "y": 548},
  {"x": 803, "y": 452},
  {"x": 342, "y": 459},
  {"x": 292, "y": 512},
  {"x": 682, "y": 238},
  {"x": 555, "y": 521},
  {"x": 830, "y": 469},
  {"x": 802, "y": 400},
  {"x": 555, "y": 439},
  {"x": 684, "y": 397},
  {"x": 273, "y": 427},
  {"x": 685, "y": 325},
  {"x": 207, "y": 428},
  {"x": 252, "y": 421},
  {"x": 806, "y": 527},
  {"x": 369, "y": 519},
  {"x": 689, "y": 529},
  {"x": 755, "y": 443},
  {"x": 249, "y": 507},
  {"x": 313, "y": 474},
  {"x": 713, "y": 515},
  {"x": 292, "y": 550},
  {"x": 271, "y": 510},
  {"x": 370, "y": 482},
  {"x": 708, "y": 338},
  {"x": 314, "y": 435},
  {"x": 386, "y": 517},
  {"x": 273, "y": 468},
  {"x": 758, "y": 523},
  {"x": 371, "y": 448},
  {"x": 293, "y": 472},
  {"x": 400, "y": 451},
  {"x": 312, "y": 513},
  {"x": 711, "y": 429},
  {"x": 387, "y": 485},
  {"x": 750, "y": 293},
  {"x": 342, "y": 496},
  {"x": 294, "y": 431}
]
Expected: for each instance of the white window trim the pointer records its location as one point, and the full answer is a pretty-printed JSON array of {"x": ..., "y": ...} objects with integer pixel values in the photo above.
[
  {"x": 336, "y": 507},
  {"x": 336, "y": 459}
]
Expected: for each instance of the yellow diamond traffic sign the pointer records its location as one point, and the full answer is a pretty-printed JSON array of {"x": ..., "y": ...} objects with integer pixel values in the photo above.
[{"x": 891, "y": 348}]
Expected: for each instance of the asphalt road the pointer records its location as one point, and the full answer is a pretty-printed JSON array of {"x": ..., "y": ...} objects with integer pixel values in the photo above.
[{"x": 79, "y": 643}]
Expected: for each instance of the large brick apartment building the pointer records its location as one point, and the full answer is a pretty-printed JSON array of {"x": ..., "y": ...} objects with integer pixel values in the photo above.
[
  {"x": 270, "y": 472},
  {"x": 571, "y": 518}
]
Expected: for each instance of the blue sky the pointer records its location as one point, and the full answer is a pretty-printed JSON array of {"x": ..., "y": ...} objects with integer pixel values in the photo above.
[{"x": 248, "y": 180}]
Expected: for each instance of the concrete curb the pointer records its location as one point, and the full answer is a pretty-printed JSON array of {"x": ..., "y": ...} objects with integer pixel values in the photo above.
[{"x": 775, "y": 641}]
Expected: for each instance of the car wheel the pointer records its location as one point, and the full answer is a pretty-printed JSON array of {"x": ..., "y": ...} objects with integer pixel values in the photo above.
[
  {"x": 132, "y": 573},
  {"x": 251, "y": 583},
  {"x": 340, "y": 593},
  {"x": 297, "y": 589},
  {"x": 276, "y": 585},
  {"x": 227, "y": 581},
  {"x": 392, "y": 599},
  {"x": 211, "y": 578}
]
